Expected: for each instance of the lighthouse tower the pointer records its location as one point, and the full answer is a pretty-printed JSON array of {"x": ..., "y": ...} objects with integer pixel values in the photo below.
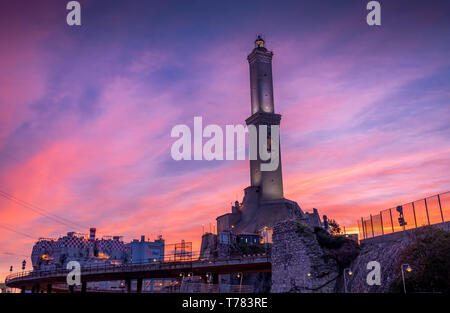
[
  {"x": 263, "y": 204},
  {"x": 270, "y": 183}
]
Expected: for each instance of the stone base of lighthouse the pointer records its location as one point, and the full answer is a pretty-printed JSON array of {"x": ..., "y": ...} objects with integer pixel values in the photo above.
[{"x": 253, "y": 214}]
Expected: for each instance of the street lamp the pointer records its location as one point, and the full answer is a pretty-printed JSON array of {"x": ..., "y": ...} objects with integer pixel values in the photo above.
[
  {"x": 240, "y": 275},
  {"x": 309, "y": 280},
  {"x": 191, "y": 276},
  {"x": 208, "y": 277},
  {"x": 348, "y": 272},
  {"x": 182, "y": 281},
  {"x": 408, "y": 269}
]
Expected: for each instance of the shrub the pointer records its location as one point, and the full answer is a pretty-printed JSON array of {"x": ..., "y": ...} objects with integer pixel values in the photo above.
[
  {"x": 303, "y": 230},
  {"x": 341, "y": 249}
]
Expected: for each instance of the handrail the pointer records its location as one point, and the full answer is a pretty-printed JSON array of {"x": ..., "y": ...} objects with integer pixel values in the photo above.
[{"x": 131, "y": 267}]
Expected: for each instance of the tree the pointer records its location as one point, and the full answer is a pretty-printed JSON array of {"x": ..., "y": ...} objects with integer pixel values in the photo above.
[{"x": 335, "y": 229}]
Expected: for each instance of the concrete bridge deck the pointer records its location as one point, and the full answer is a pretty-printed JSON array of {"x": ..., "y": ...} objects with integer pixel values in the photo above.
[{"x": 35, "y": 279}]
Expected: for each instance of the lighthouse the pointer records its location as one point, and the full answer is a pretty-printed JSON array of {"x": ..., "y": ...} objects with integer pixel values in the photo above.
[
  {"x": 263, "y": 204},
  {"x": 269, "y": 183}
]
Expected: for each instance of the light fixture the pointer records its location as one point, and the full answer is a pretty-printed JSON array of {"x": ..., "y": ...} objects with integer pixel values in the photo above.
[
  {"x": 350, "y": 273},
  {"x": 408, "y": 269}
]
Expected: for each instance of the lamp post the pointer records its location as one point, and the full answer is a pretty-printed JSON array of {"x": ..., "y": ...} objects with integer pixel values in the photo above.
[
  {"x": 348, "y": 272},
  {"x": 309, "y": 281},
  {"x": 182, "y": 280},
  {"x": 408, "y": 269},
  {"x": 208, "y": 277},
  {"x": 240, "y": 275},
  {"x": 10, "y": 270}
]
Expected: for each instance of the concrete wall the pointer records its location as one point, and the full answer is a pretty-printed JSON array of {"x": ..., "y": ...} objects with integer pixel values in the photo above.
[{"x": 402, "y": 235}]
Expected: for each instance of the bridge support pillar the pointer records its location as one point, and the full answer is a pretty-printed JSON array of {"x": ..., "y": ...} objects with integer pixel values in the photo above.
[
  {"x": 23, "y": 289},
  {"x": 71, "y": 288},
  {"x": 128, "y": 285},
  {"x": 215, "y": 279},
  {"x": 83, "y": 287},
  {"x": 49, "y": 288},
  {"x": 139, "y": 285}
]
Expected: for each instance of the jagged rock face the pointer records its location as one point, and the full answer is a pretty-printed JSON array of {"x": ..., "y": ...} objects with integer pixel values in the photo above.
[
  {"x": 386, "y": 254},
  {"x": 299, "y": 264}
]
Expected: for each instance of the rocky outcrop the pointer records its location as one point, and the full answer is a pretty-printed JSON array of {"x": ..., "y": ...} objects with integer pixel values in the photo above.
[
  {"x": 386, "y": 251},
  {"x": 386, "y": 254}
]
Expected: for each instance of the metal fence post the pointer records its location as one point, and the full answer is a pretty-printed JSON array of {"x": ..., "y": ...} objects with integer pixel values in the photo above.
[
  {"x": 381, "y": 220},
  {"x": 363, "y": 227},
  {"x": 392, "y": 221},
  {"x": 371, "y": 223},
  {"x": 414, "y": 213},
  {"x": 426, "y": 209},
  {"x": 440, "y": 208}
]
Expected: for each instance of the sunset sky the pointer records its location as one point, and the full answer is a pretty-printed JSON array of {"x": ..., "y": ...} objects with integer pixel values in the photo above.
[{"x": 86, "y": 112}]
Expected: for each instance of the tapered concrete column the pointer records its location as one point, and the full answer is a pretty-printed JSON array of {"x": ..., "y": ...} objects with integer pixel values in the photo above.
[
  {"x": 49, "y": 288},
  {"x": 83, "y": 287},
  {"x": 139, "y": 285},
  {"x": 269, "y": 182},
  {"x": 71, "y": 288}
]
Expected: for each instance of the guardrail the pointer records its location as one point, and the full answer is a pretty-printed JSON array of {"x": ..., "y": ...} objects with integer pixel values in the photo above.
[{"x": 135, "y": 267}]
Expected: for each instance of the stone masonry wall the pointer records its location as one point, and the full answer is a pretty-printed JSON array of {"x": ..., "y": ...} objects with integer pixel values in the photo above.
[{"x": 298, "y": 262}]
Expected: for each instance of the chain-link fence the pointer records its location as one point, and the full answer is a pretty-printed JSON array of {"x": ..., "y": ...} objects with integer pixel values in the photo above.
[{"x": 428, "y": 211}]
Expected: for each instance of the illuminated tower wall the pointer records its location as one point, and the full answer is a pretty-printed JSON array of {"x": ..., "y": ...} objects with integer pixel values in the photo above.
[{"x": 270, "y": 183}]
